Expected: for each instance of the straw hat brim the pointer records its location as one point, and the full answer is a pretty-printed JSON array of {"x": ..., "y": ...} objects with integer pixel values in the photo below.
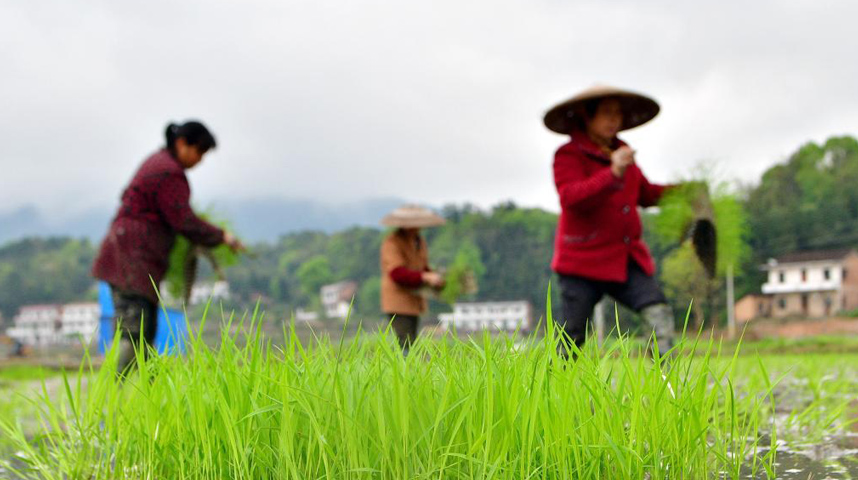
[
  {"x": 412, "y": 217},
  {"x": 637, "y": 108}
]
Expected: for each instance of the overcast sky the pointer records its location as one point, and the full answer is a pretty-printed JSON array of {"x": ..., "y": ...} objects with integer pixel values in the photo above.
[{"x": 438, "y": 101}]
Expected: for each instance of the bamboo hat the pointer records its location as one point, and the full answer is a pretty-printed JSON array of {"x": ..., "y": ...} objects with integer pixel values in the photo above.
[
  {"x": 412, "y": 216},
  {"x": 637, "y": 108}
]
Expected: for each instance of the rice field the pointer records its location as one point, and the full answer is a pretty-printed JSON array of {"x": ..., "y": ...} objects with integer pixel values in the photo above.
[{"x": 256, "y": 407}]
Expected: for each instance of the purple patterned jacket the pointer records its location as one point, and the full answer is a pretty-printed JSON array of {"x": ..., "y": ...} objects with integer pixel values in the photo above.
[{"x": 155, "y": 207}]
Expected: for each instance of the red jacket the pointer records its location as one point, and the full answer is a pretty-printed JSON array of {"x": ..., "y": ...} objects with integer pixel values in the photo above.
[
  {"x": 599, "y": 227},
  {"x": 154, "y": 208}
]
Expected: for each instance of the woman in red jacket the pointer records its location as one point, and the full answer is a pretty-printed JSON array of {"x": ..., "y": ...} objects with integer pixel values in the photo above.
[
  {"x": 598, "y": 248},
  {"x": 155, "y": 207}
]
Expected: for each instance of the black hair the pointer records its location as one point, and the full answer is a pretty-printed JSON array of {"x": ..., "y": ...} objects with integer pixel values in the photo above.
[
  {"x": 194, "y": 133},
  {"x": 585, "y": 112}
]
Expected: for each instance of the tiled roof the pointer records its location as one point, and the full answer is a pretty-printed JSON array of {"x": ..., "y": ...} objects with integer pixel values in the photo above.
[{"x": 813, "y": 256}]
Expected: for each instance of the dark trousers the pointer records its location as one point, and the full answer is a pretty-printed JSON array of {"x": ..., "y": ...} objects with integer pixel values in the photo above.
[
  {"x": 580, "y": 296},
  {"x": 135, "y": 318},
  {"x": 405, "y": 327}
]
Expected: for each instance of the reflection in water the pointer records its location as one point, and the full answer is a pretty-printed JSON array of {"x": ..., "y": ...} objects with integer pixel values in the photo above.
[{"x": 804, "y": 453}]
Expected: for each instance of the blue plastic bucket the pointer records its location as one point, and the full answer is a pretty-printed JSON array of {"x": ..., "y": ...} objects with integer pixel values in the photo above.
[{"x": 169, "y": 338}]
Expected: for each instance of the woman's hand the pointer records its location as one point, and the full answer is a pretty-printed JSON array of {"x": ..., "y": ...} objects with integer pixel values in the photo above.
[
  {"x": 433, "y": 279},
  {"x": 233, "y": 242},
  {"x": 621, "y": 159}
]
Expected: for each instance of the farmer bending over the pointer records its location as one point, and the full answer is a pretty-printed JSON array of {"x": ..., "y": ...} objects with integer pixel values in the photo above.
[{"x": 155, "y": 207}]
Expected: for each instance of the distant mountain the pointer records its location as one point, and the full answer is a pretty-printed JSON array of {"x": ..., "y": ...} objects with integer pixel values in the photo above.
[
  {"x": 255, "y": 220},
  {"x": 29, "y": 221},
  {"x": 267, "y": 219}
]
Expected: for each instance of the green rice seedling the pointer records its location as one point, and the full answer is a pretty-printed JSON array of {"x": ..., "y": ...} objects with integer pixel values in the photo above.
[
  {"x": 483, "y": 407},
  {"x": 184, "y": 257}
]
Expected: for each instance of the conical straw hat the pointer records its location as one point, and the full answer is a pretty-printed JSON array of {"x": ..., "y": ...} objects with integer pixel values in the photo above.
[
  {"x": 637, "y": 108},
  {"x": 412, "y": 216}
]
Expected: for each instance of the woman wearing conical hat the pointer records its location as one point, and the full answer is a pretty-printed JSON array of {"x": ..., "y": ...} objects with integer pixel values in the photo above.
[
  {"x": 598, "y": 247},
  {"x": 405, "y": 268}
]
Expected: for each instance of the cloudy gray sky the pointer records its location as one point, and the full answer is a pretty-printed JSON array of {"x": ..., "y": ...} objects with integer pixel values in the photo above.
[{"x": 437, "y": 101}]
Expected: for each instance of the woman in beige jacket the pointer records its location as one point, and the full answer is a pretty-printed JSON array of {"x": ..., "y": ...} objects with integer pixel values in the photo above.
[{"x": 405, "y": 269}]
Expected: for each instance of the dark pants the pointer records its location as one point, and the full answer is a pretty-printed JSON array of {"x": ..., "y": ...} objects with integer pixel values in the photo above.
[
  {"x": 580, "y": 296},
  {"x": 405, "y": 327},
  {"x": 133, "y": 312}
]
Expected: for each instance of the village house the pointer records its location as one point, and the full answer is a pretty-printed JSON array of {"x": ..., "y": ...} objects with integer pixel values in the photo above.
[
  {"x": 337, "y": 298},
  {"x": 202, "y": 293},
  {"x": 495, "y": 316},
  {"x": 43, "y": 325},
  {"x": 36, "y": 324},
  {"x": 811, "y": 284},
  {"x": 753, "y": 306},
  {"x": 80, "y": 320}
]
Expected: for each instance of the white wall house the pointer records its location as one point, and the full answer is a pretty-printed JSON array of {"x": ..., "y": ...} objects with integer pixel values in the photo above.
[
  {"x": 36, "y": 324},
  {"x": 302, "y": 315},
  {"x": 812, "y": 284},
  {"x": 214, "y": 291},
  {"x": 496, "y": 316},
  {"x": 337, "y": 298},
  {"x": 42, "y": 325},
  {"x": 80, "y": 320}
]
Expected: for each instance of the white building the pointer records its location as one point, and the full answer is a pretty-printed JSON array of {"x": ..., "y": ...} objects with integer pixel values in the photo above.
[
  {"x": 41, "y": 325},
  {"x": 302, "y": 315},
  {"x": 497, "y": 316},
  {"x": 337, "y": 298},
  {"x": 36, "y": 324},
  {"x": 202, "y": 292},
  {"x": 812, "y": 284},
  {"x": 80, "y": 320}
]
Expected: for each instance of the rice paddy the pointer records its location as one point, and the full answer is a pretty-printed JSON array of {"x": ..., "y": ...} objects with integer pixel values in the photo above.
[{"x": 484, "y": 407}]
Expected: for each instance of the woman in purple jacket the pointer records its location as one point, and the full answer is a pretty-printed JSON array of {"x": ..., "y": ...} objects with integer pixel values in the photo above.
[{"x": 155, "y": 207}]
